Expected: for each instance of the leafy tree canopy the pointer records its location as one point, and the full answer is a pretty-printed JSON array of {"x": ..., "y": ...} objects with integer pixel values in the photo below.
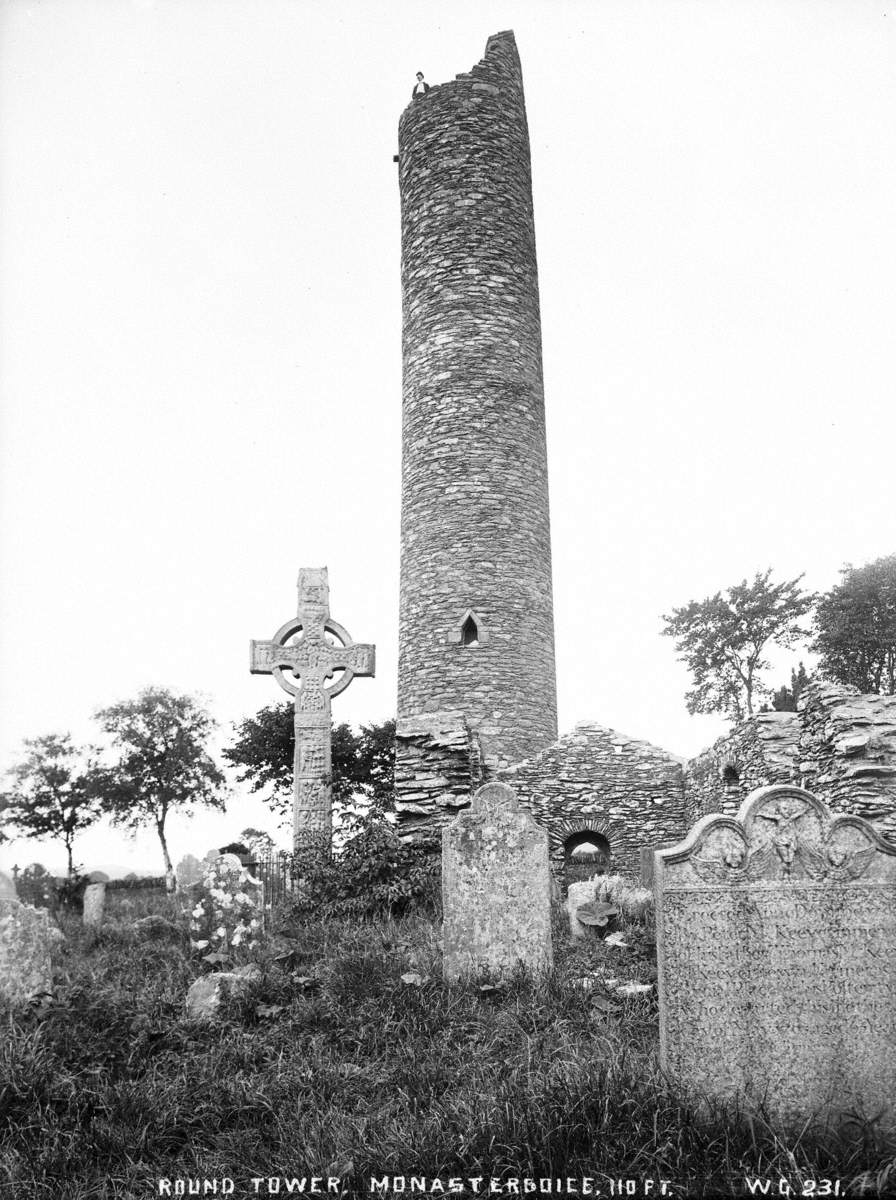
[
  {"x": 784, "y": 698},
  {"x": 362, "y": 764},
  {"x": 53, "y": 792},
  {"x": 855, "y": 628},
  {"x": 160, "y": 742},
  {"x": 721, "y": 640},
  {"x": 259, "y": 842}
]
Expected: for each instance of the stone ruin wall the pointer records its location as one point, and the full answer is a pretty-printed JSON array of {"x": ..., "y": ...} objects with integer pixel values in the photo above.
[
  {"x": 593, "y": 780},
  {"x": 599, "y": 780},
  {"x": 760, "y": 751},
  {"x": 475, "y": 526},
  {"x": 840, "y": 745},
  {"x": 848, "y": 752},
  {"x": 438, "y": 766}
]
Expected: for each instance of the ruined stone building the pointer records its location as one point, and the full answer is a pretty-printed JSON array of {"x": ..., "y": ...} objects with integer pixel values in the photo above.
[{"x": 476, "y": 674}]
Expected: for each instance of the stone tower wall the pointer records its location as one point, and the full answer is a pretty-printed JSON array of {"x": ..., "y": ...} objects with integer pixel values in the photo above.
[{"x": 475, "y": 531}]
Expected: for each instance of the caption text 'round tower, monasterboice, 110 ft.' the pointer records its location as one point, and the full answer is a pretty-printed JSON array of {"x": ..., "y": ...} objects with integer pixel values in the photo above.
[{"x": 476, "y": 628}]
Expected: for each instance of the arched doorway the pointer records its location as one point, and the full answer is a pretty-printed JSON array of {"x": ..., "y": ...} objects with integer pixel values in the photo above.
[{"x": 585, "y": 854}]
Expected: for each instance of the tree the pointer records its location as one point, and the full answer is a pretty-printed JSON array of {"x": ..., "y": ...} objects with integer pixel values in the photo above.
[
  {"x": 785, "y": 699},
  {"x": 721, "y": 640},
  {"x": 162, "y": 763},
  {"x": 260, "y": 843},
  {"x": 54, "y": 791},
  {"x": 362, "y": 764},
  {"x": 855, "y": 628}
]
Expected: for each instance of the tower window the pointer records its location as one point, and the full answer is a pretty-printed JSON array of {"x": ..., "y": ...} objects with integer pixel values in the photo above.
[
  {"x": 469, "y": 631},
  {"x": 469, "y": 634}
]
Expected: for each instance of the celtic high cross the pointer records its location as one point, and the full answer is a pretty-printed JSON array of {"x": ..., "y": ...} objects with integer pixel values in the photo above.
[{"x": 311, "y": 660}]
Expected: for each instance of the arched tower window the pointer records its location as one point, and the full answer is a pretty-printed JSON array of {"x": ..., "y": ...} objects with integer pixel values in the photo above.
[
  {"x": 469, "y": 634},
  {"x": 469, "y": 631}
]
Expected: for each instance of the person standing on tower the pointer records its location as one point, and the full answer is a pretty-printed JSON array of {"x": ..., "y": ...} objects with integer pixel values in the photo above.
[{"x": 421, "y": 87}]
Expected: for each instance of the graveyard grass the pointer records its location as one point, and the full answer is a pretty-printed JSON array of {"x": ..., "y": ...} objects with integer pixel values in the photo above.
[{"x": 350, "y": 1057}]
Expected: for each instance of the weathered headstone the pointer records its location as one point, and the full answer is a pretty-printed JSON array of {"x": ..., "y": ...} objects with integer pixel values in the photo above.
[
  {"x": 188, "y": 871},
  {"x": 94, "y": 904},
  {"x": 312, "y": 660},
  {"x": 496, "y": 887},
  {"x": 776, "y": 946},
  {"x": 25, "y": 939}
]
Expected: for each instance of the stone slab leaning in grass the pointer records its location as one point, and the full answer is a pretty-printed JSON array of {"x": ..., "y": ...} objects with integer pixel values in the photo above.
[
  {"x": 25, "y": 939},
  {"x": 496, "y": 888},
  {"x": 776, "y": 949}
]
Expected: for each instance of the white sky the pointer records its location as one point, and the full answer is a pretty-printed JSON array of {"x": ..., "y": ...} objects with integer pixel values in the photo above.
[{"x": 200, "y": 315}]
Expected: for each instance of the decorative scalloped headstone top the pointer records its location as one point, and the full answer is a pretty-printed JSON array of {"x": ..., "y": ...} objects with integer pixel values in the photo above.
[
  {"x": 496, "y": 887},
  {"x": 776, "y": 945}
]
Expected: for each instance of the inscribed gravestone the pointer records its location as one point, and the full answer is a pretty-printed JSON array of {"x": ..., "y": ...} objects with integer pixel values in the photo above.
[
  {"x": 496, "y": 887},
  {"x": 25, "y": 940},
  {"x": 776, "y": 947},
  {"x": 313, "y": 659}
]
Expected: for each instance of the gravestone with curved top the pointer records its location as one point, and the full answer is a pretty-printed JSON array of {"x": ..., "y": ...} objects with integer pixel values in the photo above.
[
  {"x": 496, "y": 888},
  {"x": 776, "y": 948}
]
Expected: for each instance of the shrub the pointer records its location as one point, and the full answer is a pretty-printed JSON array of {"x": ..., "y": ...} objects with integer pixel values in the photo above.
[
  {"x": 69, "y": 892},
  {"x": 227, "y": 910},
  {"x": 136, "y": 883},
  {"x": 374, "y": 873},
  {"x": 36, "y": 886}
]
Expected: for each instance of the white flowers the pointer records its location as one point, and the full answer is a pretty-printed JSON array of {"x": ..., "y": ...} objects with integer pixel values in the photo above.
[{"x": 226, "y": 913}]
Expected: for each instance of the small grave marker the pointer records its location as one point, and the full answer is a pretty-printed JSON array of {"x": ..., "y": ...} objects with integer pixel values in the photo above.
[
  {"x": 94, "y": 904},
  {"x": 776, "y": 948}
]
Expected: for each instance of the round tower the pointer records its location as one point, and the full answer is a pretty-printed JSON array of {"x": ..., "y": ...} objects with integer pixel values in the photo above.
[{"x": 476, "y": 628}]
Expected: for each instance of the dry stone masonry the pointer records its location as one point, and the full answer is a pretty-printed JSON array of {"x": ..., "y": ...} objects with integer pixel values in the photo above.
[
  {"x": 439, "y": 769},
  {"x": 841, "y": 744},
  {"x": 496, "y": 888},
  {"x": 312, "y": 660},
  {"x": 476, "y": 628},
  {"x": 598, "y": 781},
  {"x": 760, "y": 751},
  {"x": 776, "y": 948},
  {"x": 848, "y": 752}
]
